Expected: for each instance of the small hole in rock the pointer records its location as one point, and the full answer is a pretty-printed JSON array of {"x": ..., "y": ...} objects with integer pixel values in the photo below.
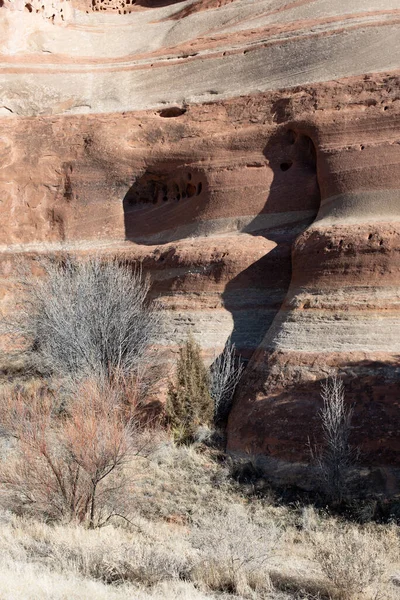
[
  {"x": 370, "y": 236},
  {"x": 285, "y": 166},
  {"x": 199, "y": 188},
  {"x": 29, "y": 7},
  {"x": 173, "y": 111},
  {"x": 189, "y": 176},
  {"x": 362, "y": 147}
]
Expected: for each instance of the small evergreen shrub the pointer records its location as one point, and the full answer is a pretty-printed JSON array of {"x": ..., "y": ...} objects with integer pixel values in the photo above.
[{"x": 189, "y": 404}]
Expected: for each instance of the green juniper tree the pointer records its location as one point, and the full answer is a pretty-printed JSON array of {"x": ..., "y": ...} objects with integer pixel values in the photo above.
[{"x": 189, "y": 403}]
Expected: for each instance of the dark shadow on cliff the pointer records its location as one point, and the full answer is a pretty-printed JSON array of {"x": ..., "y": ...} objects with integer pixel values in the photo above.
[
  {"x": 173, "y": 197},
  {"x": 255, "y": 296},
  {"x": 284, "y": 422},
  {"x": 170, "y": 196}
]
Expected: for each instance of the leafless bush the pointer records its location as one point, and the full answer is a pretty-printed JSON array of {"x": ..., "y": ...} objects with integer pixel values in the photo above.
[
  {"x": 336, "y": 457},
  {"x": 224, "y": 374},
  {"x": 88, "y": 317},
  {"x": 68, "y": 461},
  {"x": 352, "y": 559},
  {"x": 234, "y": 553}
]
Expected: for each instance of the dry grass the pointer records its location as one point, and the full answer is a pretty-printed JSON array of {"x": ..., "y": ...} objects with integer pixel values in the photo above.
[
  {"x": 189, "y": 533},
  {"x": 356, "y": 561},
  {"x": 230, "y": 561}
]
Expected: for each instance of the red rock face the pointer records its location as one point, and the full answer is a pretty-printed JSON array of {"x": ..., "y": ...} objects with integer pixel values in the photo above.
[
  {"x": 342, "y": 307},
  {"x": 206, "y": 205},
  {"x": 241, "y": 153}
]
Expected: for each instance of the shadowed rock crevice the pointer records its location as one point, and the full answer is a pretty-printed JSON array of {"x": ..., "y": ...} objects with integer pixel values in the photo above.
[
  {"x": 292, "y": 157},
  {"x": 285, "y": 417},
  {"x": 172, "y": 112}
]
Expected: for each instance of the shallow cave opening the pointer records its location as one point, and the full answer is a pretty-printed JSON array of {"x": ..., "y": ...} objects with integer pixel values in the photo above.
[
  {"x": 292, "y": 158},
  {"x": 171, "y": 112},
  {"x": 162, "y": 188}
]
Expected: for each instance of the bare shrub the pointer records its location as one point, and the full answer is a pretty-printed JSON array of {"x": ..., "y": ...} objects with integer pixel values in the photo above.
[
  {"x": 234, "y": 553},
  {"x": 67, "y": 461},
  {"x": 352, "y": 559},
  {"x": 224, "y": 375},
  {"x": 189, "y": 403},
  {"x": 336, "y": 457},
  {"x": 89, "y": 317}
]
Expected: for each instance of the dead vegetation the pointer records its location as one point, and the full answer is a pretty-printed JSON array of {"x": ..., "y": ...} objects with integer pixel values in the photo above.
[
  {"x": 335, "y": 458},
  {"x": 65, "y": 459},
  {"x": 80, "y": 318},
  {"x": 93, "y": 504},
  {"x": 189, "y": 532}
]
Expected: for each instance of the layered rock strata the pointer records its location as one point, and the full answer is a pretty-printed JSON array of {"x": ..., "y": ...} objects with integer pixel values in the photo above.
[
  {"x": 342, "y": 308},
  {"x": 248, "y": 154},
  {"x": 101, "y": 62}
]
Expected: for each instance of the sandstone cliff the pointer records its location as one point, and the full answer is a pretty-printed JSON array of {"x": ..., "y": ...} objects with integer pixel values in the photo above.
[{"x": 248, "y": 152}]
